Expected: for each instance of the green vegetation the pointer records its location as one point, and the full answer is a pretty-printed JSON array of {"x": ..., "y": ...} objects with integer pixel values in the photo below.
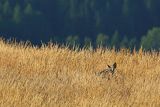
[
  {"x": 111, "y": 23},
  {"x": 152, "y": 39}
]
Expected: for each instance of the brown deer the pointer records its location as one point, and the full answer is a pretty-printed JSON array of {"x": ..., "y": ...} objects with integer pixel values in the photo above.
[{"x": 110, "y": 69}]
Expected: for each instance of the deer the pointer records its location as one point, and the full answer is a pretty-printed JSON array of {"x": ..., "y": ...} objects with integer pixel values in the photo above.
[{"x": 111, "y": 69}]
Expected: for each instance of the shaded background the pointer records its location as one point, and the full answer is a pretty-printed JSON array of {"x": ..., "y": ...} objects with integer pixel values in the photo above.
[{"x": 119, "y": 23}]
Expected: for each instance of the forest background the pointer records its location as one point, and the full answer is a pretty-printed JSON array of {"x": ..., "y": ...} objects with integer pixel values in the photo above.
[{"x": 119, "y": 23}]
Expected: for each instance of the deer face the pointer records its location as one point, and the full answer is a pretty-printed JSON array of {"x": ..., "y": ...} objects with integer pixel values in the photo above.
[{"x": 112, "y": 68}]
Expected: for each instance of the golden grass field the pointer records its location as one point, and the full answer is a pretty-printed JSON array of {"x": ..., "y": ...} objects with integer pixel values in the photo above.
[{"x": 53, "y": 76}]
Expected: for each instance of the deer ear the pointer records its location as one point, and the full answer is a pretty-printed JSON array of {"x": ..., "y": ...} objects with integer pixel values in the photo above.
[
  {"x": 115, "y": 65},
  {"x": 108, "y": 66}
]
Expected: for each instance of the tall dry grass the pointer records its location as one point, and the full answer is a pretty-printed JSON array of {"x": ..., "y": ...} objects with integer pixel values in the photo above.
[{"x": 53, "y": 76}]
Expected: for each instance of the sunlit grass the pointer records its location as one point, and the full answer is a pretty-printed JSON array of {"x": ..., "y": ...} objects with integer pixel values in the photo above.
[{"x": 53, "y": 76}]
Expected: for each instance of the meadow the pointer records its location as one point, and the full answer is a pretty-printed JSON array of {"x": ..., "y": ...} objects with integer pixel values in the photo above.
[{"x": 56, "y": 76}]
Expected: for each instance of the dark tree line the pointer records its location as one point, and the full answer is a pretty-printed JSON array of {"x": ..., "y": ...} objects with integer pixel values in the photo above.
[{"x": 120, "y": 23}]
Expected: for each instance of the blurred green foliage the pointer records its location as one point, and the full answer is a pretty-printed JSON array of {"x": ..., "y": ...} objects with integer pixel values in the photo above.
[
  {"x": 152, "y": 39},
  {"x": 111, "y": 23}
]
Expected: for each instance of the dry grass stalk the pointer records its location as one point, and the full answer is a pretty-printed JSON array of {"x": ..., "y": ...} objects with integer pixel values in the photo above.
[{"x": 51, "y": 76}]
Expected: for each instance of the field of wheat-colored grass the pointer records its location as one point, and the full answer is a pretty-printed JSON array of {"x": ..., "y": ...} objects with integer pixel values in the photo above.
[{"x": 53, "y": 76}]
